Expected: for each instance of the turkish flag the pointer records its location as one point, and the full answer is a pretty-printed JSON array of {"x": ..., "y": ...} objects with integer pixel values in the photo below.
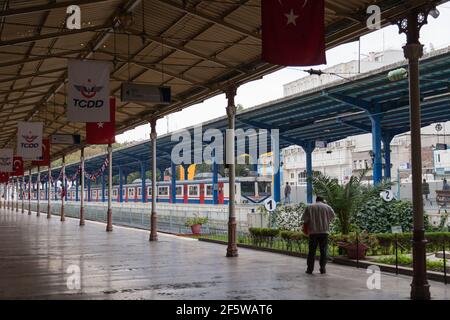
[
  {"x": 4, "y": 177},
  {"x": 293, "y": 32},
  {"x": 103, "y": 132},
  {"x": 45, "y": 159},
  {"x": 18, "y": 167}
]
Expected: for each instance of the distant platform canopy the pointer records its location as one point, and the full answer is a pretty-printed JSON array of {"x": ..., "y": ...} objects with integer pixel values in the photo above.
[{"x": 198, "y": 48}]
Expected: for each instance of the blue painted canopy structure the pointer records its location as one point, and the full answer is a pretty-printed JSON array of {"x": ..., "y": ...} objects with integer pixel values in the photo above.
[{"x": 329, "y": 113}]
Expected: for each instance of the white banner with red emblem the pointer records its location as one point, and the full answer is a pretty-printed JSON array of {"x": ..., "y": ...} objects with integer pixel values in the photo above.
[
  {"x": 6, "y": 160},
  {"x": 29, "y": 140},
  {"x": 88, "y": 91}
]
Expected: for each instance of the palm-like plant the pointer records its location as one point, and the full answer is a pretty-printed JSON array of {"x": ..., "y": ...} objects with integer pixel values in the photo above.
[{"x": 345, "y": 199}]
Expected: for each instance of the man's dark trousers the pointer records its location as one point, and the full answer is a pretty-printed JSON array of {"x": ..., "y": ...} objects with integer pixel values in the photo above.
[{"x": 321, "y": 240}]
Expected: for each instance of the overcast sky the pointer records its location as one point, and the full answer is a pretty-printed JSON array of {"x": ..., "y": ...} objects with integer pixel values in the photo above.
[{"x": 437, "y": 32}]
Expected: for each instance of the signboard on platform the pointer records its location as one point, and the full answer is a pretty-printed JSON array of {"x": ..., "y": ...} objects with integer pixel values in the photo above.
[
  {"x": 270, "y": 204},
  {"x": 88, "y": 91},
  {"x": 6, "y": 160},
  {"x": 387, "y": 195},
  {"x": 131, "y": 92},
  {"x": 29, "y": 140},
  {"x": 66, "y": 139},
  {"x": 396, "y": 229}
]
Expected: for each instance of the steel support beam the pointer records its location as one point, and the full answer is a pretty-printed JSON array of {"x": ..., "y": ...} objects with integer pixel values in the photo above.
[
  {"x": 232, "y": 250},
  {"x": 38, "y": 192},
  {"x": 376, "y": 148},
  {"x": 309, "y": 149},
  {"x": 82, "y": 173},
  {"x": 215, "y": 182},
  {"x": 354, "y": 124},
  {"x": 63, "y": 175},
  {"x": 120, "y": 184},
  {"x": 354, "y": 102},
  {"x": 143, "y": 183},
  {"x": 420, "y": 288},
  {"x": 173, "y": 183},
  {"x": 109, "y": 226},
  {"x": 154, "y": 217},
  {"x": 387, "y": 139},
  {"x": 89, "y": 190},
  {"x": 22, "y": 191},
  {"x": 276, "y": 167},
  {"x": 45, "y": 7},
  {"x": 29, "y": 192},
  {"x": 53, "y": 35},
  {"x": 103, "y": 187},
  {"x": 196, "y": 13}
]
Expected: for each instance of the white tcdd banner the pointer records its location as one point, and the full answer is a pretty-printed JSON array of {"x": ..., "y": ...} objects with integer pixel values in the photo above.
[
  {"x": 29, "y": 140},
  {"x": 88, "y": 94},
  {"x": 6, "y": 160}
]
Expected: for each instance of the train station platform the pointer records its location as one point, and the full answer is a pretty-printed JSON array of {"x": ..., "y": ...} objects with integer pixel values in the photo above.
[{"x": 44, "y": 258}]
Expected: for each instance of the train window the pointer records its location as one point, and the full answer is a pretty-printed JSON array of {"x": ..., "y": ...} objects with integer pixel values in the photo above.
[
  {"x": 115, "y": 192},
  {"x": 99, "y": 193},
  {"x": 264, "y": 188},
  {"x": 131, "y": 192},
  {"x": 193, "y": 190},
  {"x": 163, "y": 191},
  {"x": 248, "y": 188},
  {"x": 179, "y": 190},
  {"x": 209, "y": 190},
  {"x": 94, "y": 193},
  {"x": 139, "y": 191},
  {"x": 106, "y": 193},
  {"x": 149, "y": 191}
]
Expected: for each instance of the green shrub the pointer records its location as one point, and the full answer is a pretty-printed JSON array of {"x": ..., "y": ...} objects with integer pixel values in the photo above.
[
  {"x": 264, "y": 232},
  {"x": 289, "y": 217},
  {"x": 378, "y": 216},
  {"x": 293, "y": 236},
  {"x": 436, "y": 240}
]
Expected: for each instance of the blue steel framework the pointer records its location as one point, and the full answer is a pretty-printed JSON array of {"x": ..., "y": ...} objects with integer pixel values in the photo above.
[{"x": 367, "y": 103}]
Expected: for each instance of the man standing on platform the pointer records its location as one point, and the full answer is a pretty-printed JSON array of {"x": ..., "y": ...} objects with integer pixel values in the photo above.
[
  {"x": 426, "y": 190},
  {"x": 317, "y": 218},
  {"x": 287, "y": 193}
]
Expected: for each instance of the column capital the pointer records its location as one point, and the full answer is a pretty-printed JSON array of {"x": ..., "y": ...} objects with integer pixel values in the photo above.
[
  {"x": 153, "y": 134},
  {"x": 412, "y": 24},
  {"x": 230, "y": 93},
  {"x": 413, "y": 51}
]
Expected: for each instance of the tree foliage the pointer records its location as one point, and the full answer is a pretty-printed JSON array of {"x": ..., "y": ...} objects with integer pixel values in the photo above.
[{"x": 345, "y": 199}]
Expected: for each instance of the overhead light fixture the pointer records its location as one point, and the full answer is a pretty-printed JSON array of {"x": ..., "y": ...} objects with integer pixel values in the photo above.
[
  {"x": 398, "y": 74},
  {"x": 435, "y": 13}
]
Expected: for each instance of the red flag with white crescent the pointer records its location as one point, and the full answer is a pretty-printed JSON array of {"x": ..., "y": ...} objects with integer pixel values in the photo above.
[
  {"x": 18, "y": 167},
  {"x": 103, "y": 132},
  {"x": 45, "y": 158},
  {"x": 293, "y": 32}
]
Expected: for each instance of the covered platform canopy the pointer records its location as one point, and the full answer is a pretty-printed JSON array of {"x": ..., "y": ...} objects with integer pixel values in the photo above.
[
  {"x": 333, "y": 112},
  {"x": 196, "y": 47},
  {"x": 201, "y": 49}
]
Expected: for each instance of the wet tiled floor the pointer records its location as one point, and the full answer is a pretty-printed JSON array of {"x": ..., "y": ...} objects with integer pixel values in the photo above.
[{"x": 40, "y": 259}]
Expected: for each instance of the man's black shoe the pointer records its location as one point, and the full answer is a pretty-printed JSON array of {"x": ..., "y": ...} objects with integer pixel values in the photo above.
[
  {"x": 323, "y": 271},
  {"x": 309, "y": 271}
]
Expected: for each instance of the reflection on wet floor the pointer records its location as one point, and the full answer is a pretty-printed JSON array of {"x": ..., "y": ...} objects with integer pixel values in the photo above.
[{"x": 36, "y": 254}]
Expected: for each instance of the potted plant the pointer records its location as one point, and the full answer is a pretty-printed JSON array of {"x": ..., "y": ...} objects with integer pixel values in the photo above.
[
  {"x": 356, "y": 244},
  {"x": 196, "y": 223}
]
